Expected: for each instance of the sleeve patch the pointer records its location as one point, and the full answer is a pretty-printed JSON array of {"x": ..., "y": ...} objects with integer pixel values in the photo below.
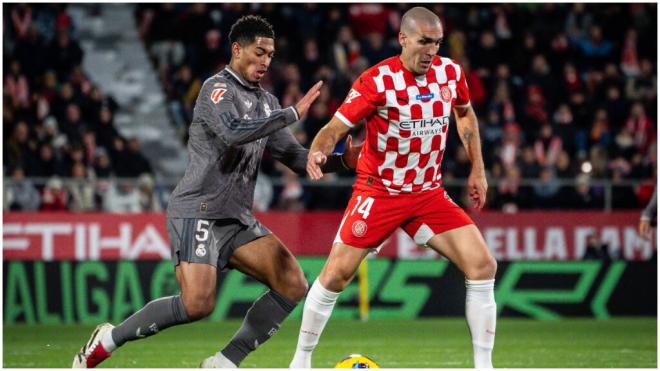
[
  {"x": 216, "y": 95},
  {"x": 352, "y": 95}
]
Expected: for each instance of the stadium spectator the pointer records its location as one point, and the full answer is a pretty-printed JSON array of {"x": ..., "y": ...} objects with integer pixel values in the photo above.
[
  {"x": 148, "y": 196},
  {"x": 640, "y": 126},
  {"x": 546, "y": 189},
  {"x": 16, "y": 85},
  {"x": 54, "y": 197},
  {"x": 19, "y": 193},
  {"x": 20, "y": 150},
  {"x": 105, "y": 129},
  {"x": 121, "y": 197},
  {"x": 596, "y": 250},
  {"x": 102, "y": 167},
  {"x": 64, "y": 53},
  {"x": 137, "y": 162},
  {"x": 510, "y": 195},
  {"x": 48, "y": 163},
  {"x": 564, "y": 73},
  {"x": 547, "y": 147},
  {"x": 81, "y": 192},
  {"x": 581, "y": 196},
  {"x": 73, "y": 125}
]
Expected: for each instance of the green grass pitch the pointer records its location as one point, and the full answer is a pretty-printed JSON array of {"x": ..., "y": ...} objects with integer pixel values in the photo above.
[{"x": 439, "y": 343}]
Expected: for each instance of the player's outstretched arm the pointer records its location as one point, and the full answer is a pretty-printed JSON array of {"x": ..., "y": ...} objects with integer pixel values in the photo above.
[
  {"x": 284, "y": 147},
  {"x": 323, "y": 144},
  {"x": 216, "y": 108},
  {"x": 468, "y": 130}
]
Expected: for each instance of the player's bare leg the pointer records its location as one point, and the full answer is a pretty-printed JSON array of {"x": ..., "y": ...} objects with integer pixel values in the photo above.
[
  {"x": 466, "y": 248},
  {"x": 337, "y": 273},
  {"x": 197, "y": 300},
  {"x": 270, "y": 262}
]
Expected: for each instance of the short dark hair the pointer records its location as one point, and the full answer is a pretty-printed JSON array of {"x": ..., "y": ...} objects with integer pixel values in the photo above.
[{"x": 247, "y": 28}]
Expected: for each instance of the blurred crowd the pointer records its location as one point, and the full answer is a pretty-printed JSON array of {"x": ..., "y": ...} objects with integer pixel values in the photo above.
[
  {"x": 58, "y": 125},
  {"x": 560, "y": 94},
  {"x": 562, "y": 91}
]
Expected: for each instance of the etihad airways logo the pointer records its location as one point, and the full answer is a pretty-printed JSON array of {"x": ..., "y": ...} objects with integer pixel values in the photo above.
[{"x": 429, "y": 123}]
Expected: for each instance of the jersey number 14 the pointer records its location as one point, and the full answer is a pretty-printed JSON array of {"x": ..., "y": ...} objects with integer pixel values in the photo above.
[{"x": 363, "y": 207}]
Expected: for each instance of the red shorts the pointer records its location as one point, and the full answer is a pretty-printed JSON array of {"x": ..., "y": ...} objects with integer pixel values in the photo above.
[{"x": 371, "y": 217}]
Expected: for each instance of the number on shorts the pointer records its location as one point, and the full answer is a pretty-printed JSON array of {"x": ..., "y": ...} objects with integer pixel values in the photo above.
[
  {"x": 203, "y": 228},
  {"x": 363, "y": 207}
]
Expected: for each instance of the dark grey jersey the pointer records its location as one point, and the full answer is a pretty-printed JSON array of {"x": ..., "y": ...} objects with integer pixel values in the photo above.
[{"x": 233, "y": 121}]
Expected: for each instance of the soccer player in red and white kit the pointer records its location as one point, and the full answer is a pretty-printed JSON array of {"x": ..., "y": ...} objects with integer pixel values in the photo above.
[{"x": 406, "y": 101}]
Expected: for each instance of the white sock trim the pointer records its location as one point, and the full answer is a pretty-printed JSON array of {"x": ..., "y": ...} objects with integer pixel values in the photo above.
[
  {"x": 329, "y": 296},
  {"x": 480, "y": 285},
  {"x": 107, "y": 342}
]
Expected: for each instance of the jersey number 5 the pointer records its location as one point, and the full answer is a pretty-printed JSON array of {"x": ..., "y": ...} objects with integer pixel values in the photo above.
[
  {"x": 363, "y": 207},
  {"x": 203, "y": 229}
]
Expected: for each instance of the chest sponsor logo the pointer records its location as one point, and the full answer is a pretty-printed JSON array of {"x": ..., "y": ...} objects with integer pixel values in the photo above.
[
  {"x": 352, "y": 95},
  {"x": 425, "y": 96},
  {"x": 445, "y": 94},
  {"x": 216, "y": 95},
  {"x": 267, "y": 109},
  {"x": 248, "y": 104},
  {"x": 430, "y": 123}
]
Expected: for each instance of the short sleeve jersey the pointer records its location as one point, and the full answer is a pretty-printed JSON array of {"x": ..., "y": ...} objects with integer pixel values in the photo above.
[{"x": 407, "y": 121}]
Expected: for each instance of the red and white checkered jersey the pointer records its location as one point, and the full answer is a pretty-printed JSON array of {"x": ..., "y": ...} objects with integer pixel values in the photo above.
[{"x": 407, "y": 121}]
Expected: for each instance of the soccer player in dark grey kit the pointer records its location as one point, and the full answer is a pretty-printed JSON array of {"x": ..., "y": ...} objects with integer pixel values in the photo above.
[{"x": 209, "y": 220}]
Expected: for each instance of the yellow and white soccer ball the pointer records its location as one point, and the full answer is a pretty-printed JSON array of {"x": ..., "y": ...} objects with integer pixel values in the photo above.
[{"x": 357, "y": 361}]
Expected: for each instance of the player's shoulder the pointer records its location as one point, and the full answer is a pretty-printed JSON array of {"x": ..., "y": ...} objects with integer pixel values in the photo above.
[
  {"x": 391, "y": 63},
  {"x": 448, "y": 66},
  {"x": 386, "y": 66},
  {"x": 444, "y": 61},
  {"x": 219, "y": 80}
]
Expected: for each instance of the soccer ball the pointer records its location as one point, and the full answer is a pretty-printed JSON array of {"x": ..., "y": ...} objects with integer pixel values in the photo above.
[{"x": 356, "y": 361}]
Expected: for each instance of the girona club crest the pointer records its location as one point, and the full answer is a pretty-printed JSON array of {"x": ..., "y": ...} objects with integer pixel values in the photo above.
[
  {"x": 359, "y": 228},
  {"x": 445, "y": 94}
]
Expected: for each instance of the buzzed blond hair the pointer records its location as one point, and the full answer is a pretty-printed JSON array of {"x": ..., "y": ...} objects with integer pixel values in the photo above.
[{"x": 415, "y": 16}]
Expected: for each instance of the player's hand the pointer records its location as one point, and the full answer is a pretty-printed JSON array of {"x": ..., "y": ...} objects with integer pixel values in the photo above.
[
  {"x": 644, "y": 229},
  {"x": 303, "y": 105},
  {"x": 477, "y": 187},
  {"x": 351, "y": 153},
  {"x": 314, "y": 162}
]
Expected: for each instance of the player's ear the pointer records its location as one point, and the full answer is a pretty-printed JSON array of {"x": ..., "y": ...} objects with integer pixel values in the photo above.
[
  {"x": 402, "y": 39},
  {"x": 236, "y": 49}
]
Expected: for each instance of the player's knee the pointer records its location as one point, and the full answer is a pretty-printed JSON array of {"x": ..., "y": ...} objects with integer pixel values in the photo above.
[
  {"x": 483, "y": 268},
  {"x": 335, "y": 279},
  {"x": 293, "y": 286},
  {"x": 198, "y": 306}
]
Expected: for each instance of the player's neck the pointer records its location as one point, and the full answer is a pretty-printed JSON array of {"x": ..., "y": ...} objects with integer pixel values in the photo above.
[
  {"x": 234, "y": 67},
  {"x": 407, "y": 66}
]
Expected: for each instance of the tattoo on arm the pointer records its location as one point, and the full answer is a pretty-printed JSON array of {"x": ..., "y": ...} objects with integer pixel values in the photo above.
[{"x": 467, "y": 136}]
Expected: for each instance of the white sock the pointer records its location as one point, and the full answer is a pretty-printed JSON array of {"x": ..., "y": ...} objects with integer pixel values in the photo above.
[
  {"x": 317, "y": 311},
  {"x": 481, "y": 315},
  {"x": 224, "y": 362},
  {"x": 107, "y": 342}
]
